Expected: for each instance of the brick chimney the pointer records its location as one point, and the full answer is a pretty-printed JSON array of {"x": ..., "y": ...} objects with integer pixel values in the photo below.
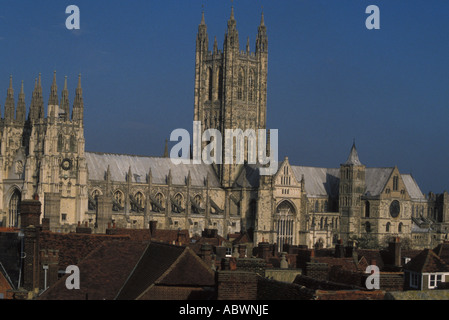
[
  {"x": 30, "y": 212},
  {"x": 31, "y": 259},
  {"x": 206, "y": 253},
  {"x": 153, "y": 228},
  {"x": 394, "y": 249},
  {"x": 264, "y": 250}
]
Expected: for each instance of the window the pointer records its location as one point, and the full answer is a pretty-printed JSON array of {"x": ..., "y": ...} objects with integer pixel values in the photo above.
[
  {"x": 60, "y": 143},
  {"x": 251, "y": 84},
  {"x": 387, "y": 228},
  {"x": 414, "y": 280},
  {"x": 64, "y": 216},
  {"x": 14, "y": 209},
  {"x": 435, "y": 280},
  {"x": 220, "y": 84},
  {"x": 72, "y": 144},
  {"x": 241, "y": 83},
  {"x": 400, "y": 227},
  {"x": 209, "y": 76},
  {"x": 395, "y": 183}
]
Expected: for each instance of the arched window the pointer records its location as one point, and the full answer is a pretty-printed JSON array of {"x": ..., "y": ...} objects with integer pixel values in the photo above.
[
  {"x": 251, "y": 87},
  {"x": 139, "y": 199},
  {"x": 400, "y": 227},
  {"x": 367, "y": 209},
  {"x": 118, "y": 196},
  {"x": 159, "y": 199},
  {"x": 387, "y": 227},
  {"x": 177, "y": 203},
  {"x": 60, "y": 143},
  {"x": 14, "y": 206},
  {"x": 316, "y": 206},
  {"x": 284, "y": 219},
  {"x": 220, "y": 83},
  {"x": 73, "y": 143},
  {"x": 241, "y": 85},
  {"x": 210, "y": 83}
]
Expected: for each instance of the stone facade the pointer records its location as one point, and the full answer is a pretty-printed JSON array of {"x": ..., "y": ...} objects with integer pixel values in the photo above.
[{"x": 43, "y": 157}]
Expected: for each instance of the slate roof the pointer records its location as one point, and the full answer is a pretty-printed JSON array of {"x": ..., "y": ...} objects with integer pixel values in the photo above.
[
  {"x": 319, "y": 181},
  {"x": 325, "y": 182},
  {"x": 427, "y": 262},
  {"x": 119, "y": 164},
  {"x": 442, "y": 250}
]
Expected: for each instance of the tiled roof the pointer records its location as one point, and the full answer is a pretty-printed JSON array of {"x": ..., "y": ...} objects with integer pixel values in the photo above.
[
  {"x": 155, "y": 261},
  {"x": 427, "y": 262},
  {"x": 102, "y": 272},
  {"x": 442, "y": 250},
  {"x": 74, "y": 247}
]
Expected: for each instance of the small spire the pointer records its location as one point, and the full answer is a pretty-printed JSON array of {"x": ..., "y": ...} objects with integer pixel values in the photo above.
[
  {"x": 203, "y": 21},
  {"x": 215, "y": 45},
  {"x": 247, "y": 44},
  {"x": 166, "y": 149},
  {"x": 79, "y": 81},
  {"x": 232, "y": 13},
  {"x": 39, "y": 81},
  {"x": 10, "y": 81},
  {"x": 21, "y": 89},
  {"x": 262, "y": 20},
  {"x": 65, "y": 83}
]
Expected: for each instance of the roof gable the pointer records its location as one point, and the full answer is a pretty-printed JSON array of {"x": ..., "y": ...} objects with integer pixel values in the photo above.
[{"x": 427, "y": 262}]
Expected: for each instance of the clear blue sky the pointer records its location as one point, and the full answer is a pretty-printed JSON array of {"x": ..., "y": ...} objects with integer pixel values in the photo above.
[{"x": 330, "y": 79}]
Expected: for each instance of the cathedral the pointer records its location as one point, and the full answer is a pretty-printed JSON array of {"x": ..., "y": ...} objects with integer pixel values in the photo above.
[{"x": 43, "y": 157}]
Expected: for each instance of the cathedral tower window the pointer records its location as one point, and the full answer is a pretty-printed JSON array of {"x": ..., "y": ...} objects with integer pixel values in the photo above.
[
  {"x": 220, "y": 84},
  {"x": 241, "y": 85},
  {"x": 251, "y": 87},
  {"x": 60, "y": 143},
  {"x": 72, "y": 144},
  {"x": 118, "y": 197},
  {"x": 210, "y": 83},
  {"x": 400, "y": 227},
  {"x": 387, "y": 227}
]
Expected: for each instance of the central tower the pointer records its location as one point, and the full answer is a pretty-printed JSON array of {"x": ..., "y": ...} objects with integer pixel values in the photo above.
[{"x": 231, "y": 86}]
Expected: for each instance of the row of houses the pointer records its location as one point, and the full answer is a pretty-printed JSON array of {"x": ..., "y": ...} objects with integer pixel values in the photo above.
[{"x": 157, "y": 264}]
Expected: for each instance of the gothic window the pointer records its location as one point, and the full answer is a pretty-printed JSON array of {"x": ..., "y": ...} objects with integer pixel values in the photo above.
[
  {"x": 156, "y": 207},
  {"x": 284, "y": 224},
  {"x": 139, "y": 200},
  {"x": 197, "y": 204},
  {"x": 118, "y": 197},
  {"x": 400, "y": 227},
  {"x": 60, "y": 143},
  {"x": 367, "y": 209},
  {"x": 252, "y": 87},
  {"x": 241, "y": 85},
  {"x": 177, "y": 205},
  {"x": 14, "y": 205},
  {"x": 387, "y": 227},
  {"x": 210, "y": 82},
  {"x": 72, "y": 143},
  {"x": 220, "y": 83},
  {"x": 316, "y": 206}
]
